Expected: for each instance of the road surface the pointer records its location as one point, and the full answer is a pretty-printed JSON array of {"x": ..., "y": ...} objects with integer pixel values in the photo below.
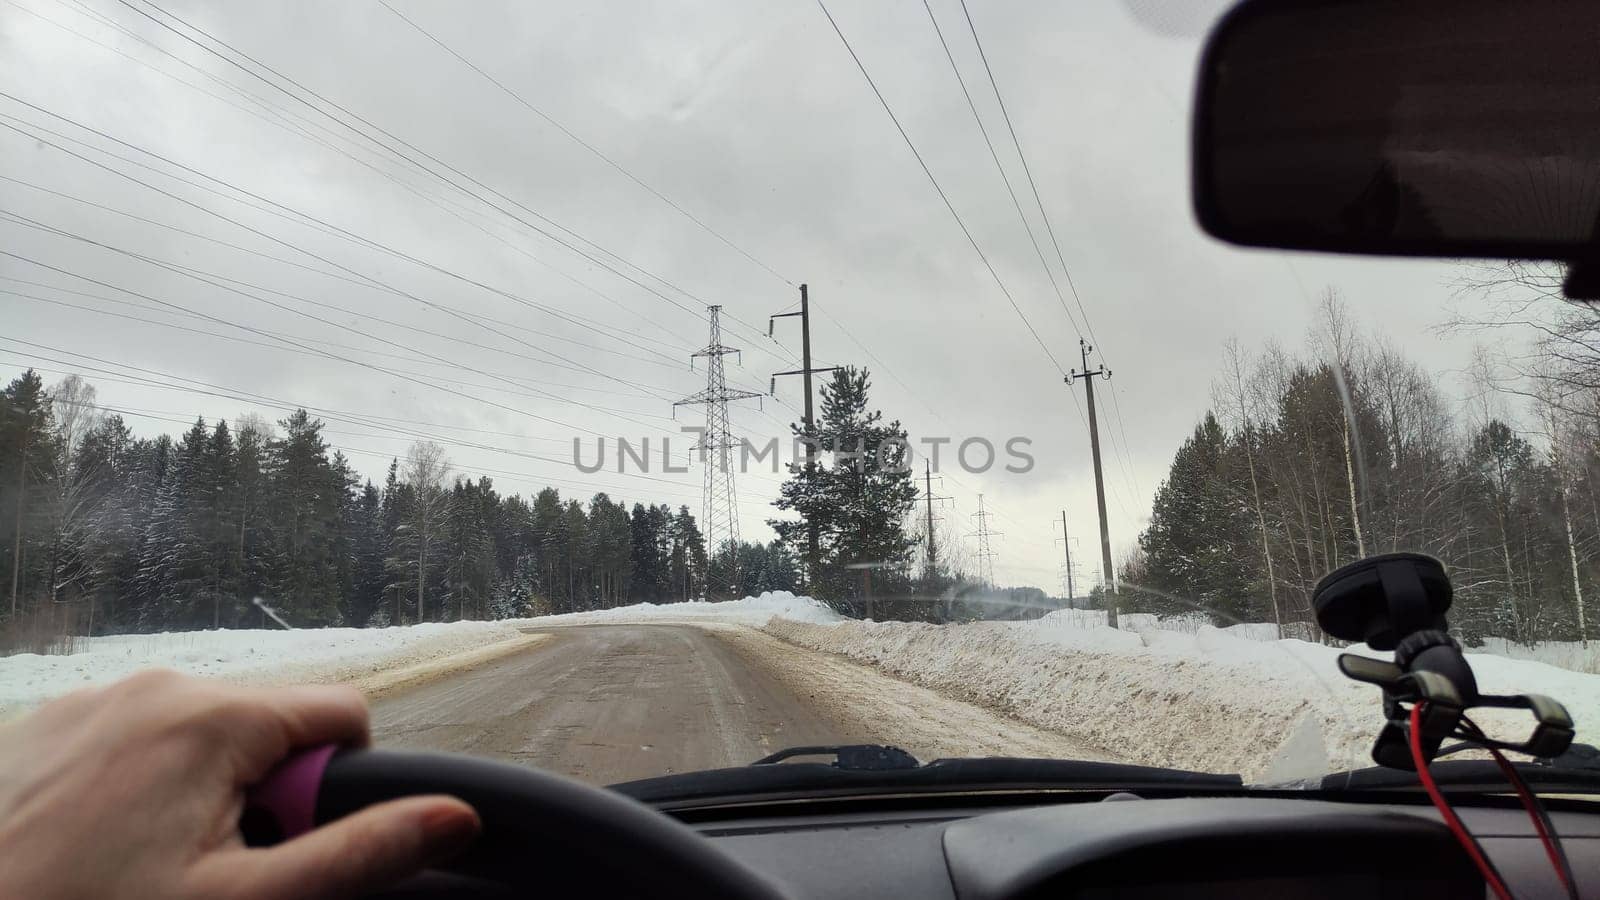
[{"x": 610, "y": 703}]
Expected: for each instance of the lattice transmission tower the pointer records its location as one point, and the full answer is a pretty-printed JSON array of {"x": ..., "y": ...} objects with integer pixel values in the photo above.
[
  {"x": 719, "y": 520},
  {"x": 985, "y": 551}
]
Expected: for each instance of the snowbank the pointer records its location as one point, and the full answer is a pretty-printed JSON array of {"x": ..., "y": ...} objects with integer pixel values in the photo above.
[
  {"x": 241, "y": 656},
  {"x": 753, "y": 611},
  {"x": 337, "y": 654},
  {"x": 1210, "y": 700}
]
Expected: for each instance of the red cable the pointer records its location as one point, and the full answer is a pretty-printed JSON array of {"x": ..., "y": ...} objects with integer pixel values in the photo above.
[
  {"x": 1530, "y": 804},
  {"x": 1464, "y": 837}
]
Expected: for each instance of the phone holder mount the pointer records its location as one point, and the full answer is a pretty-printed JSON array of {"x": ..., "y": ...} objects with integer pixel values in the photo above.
[{"x": 1397, "y": 602}]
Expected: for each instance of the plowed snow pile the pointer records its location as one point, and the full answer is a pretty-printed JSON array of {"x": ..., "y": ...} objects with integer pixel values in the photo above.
[
  {"x": 754, "y": 611},
  {"x": 337, "y": 654},
  {"x": 322, "y": 655},
  {"x": 1208, "y": 700}
]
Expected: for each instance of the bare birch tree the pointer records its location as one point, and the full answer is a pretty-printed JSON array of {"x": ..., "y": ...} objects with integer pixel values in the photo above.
[{"x": 426, "y": 470}]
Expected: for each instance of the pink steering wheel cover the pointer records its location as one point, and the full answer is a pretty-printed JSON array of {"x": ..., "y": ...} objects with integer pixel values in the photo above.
[{"x": 290, "y": 790}]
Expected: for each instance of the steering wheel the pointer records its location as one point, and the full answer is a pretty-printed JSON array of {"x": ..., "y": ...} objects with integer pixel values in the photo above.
[{"x": 543, "y": 834}]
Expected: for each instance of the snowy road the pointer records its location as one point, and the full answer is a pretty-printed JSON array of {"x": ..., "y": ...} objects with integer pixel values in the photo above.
[{"x": 609, "y": 703}]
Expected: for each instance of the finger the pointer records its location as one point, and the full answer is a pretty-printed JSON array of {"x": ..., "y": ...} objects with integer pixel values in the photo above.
[
  {"x": 362, "y": 852},
  {"x": 262, "y": 725}
]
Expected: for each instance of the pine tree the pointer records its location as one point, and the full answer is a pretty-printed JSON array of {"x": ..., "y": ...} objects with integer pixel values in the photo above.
[
  {"x": 249, "y": 531},
  {"x": 308, "y": 497},
  {"x": 365, "y": 524},
  {"x": 646, "y": 549},
  {"x": 860, "y": 500},
  {"x": 26, "y": 449},
  {"x": 688, "y": 557},
  {"x": 219, "y": 494},
  {"x": 1195, "y": 555}
]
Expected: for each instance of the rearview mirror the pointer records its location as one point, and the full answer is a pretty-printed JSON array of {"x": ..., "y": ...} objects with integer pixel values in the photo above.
[{"x": 1460, "y": 128}]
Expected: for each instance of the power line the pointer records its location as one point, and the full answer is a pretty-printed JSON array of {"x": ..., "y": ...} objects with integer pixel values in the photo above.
[
  {"x": 1045, "y": 215},
  {"x": 530, "y": 394},
  {"x": 983, "y": 130},
  {"x": 412, "y": 357},
  {"x": 1061, "y": 258},
  {"x": 365, "y": 365},
  {"x": 572, "y": 318},
  {"x": 450, "y": 311},
  {"x": 457, "y": 210},
  {"x": 201, "y": 276},
  {"x": 207, "y": 389},
  {"x": 409, "y": 146},
  {"x": 525, "y": 477},
  {"x": 364, "y": 280},
  {"x": 583, "y": 143},
  {"x": 935, "y": 182}
]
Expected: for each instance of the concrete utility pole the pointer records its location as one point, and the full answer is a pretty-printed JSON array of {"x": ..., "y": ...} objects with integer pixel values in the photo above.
[
  {"x": 1108, "y": 575},
  {"x": 721, "y": 506},
  {"x": 1066, "y": 545},
  {"x": 806, "y": 370}
]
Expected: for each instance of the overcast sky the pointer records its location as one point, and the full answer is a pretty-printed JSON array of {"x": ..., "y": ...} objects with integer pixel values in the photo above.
[{"x": 751, "y": 117}]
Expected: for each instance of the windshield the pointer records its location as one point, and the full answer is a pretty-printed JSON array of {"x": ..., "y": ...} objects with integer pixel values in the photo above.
[{"x": 635, "y": 389}]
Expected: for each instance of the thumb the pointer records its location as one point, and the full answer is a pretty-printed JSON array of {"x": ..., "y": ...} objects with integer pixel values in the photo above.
[{"x": 361, "y": 852}]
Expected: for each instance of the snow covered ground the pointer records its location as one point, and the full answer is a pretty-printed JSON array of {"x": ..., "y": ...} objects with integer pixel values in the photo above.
[
  {"x": 1208, "y": 698},
  {"x": 754, "y": 611},
  {"x": 335, "y": 654},
  {"x": 1176, "y": 693},
  {"x": 242, "y": 656}
]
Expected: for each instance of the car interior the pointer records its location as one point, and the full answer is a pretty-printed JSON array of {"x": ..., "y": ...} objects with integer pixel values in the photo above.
[{"x": 1446, "y": 129}]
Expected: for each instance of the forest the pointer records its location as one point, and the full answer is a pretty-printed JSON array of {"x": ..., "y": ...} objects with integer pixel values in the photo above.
[
  {"x": 259, "y": 524},
  {"x": 104, "y": 531},
  {"x": 1309, "y": 460}
]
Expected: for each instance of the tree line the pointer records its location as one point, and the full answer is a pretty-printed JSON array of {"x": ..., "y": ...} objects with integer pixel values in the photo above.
[
  {"x": 228, "y": 526},
  {"x": 1309, "y": 461},
  {"x": 249, "y": 523}
]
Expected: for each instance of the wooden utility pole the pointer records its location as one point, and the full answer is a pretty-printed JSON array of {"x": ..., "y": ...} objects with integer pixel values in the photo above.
[
  {"x": 1108, "y": 575},
  {"x": 813, "y": 553}
]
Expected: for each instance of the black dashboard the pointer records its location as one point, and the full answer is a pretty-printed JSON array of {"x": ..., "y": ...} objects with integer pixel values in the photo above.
[{"x": 1124, "y": 846}]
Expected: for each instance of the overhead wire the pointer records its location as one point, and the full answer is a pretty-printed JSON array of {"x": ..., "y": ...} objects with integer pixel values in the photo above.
[
  {"x": 572, "y": 318},
  {"x": 365, "y": 365},
  {"x": 226, "y": 284},
  {"x": 213, "y": 390},
  {"x": 414, "y": 149},
  {"x": 939, "y": 189},
  {"x": 279, "y": 348},
  {"x": 287, "y": 211},
  {"x": 1049, "y": 228},
  {"x": 583, "y": 143},
  {"x": 447, "y": 310}
]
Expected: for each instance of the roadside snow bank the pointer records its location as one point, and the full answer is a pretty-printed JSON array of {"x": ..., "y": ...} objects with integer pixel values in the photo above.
[
  {"x": 366, "y": 656},
  {"x": 1209, "y": 700},
  {"x": 241, "y": 656},
  {"x": 754, "y": 611}
]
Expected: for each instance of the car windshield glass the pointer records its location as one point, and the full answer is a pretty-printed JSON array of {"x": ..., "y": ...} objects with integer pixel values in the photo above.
[{"x": 632, "y": 389}]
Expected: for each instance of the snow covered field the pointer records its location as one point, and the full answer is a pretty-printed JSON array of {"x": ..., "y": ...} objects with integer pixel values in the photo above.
[
  {"x": 1209, "y": 699},
  {"x": 242, "y": 656}
]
